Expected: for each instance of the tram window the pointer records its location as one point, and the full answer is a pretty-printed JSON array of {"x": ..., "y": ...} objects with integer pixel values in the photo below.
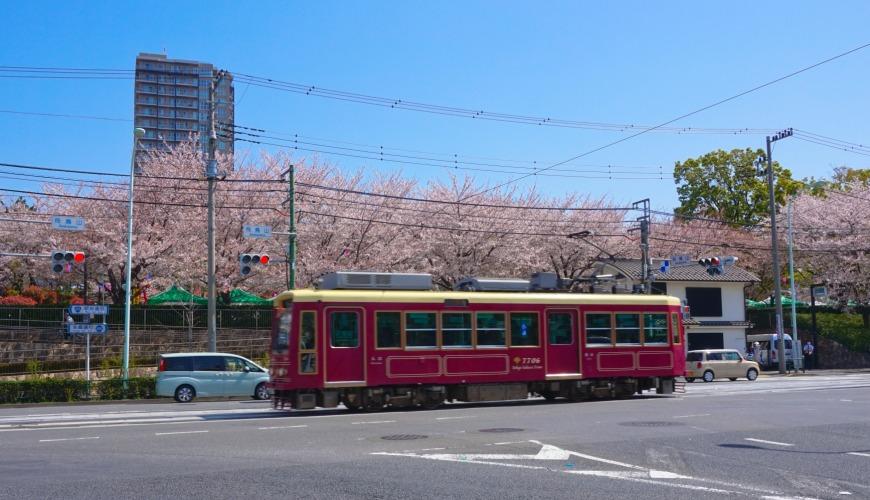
[
  {"x": 559, "y": 327},
  {"x": 420, "y": 330},
  {"x": 389, "y": 329},
  {"x": 655, "y": 328},
  {"x": 627, "y": 328},
  {"x": 456, "y": 329},
  {"x": 308, "y": 363},
  {"x": 344, "y": 329},
  {"x": 524, "y": 329},
  {"x": 598, "y": 328},
  {"x": 675, "y": 328},
  {"x": 490, "y": 329},
  {"x": 306, "y": 336}
]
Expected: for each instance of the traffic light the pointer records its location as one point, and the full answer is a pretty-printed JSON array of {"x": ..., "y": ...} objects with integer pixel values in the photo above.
[
  {"x": 713, "y": 265},
  {"x": 62, "y": 260},
  {"x": 248, "y": 260}
]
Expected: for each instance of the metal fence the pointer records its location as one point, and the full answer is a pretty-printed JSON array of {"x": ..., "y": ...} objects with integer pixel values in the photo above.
[
  {"x": 142, "y": 317},
  {"x": 33, "y": 340}
]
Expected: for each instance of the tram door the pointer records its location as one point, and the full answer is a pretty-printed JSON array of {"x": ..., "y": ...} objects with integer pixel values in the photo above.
[
  {"x": 563, "y": 341},
  {"x": 344, "y": 345}
]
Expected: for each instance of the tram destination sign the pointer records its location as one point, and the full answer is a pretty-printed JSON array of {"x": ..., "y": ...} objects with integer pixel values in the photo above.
[
  {"x": 89, "y": 309},
  {"x": 85, "y": 328}
]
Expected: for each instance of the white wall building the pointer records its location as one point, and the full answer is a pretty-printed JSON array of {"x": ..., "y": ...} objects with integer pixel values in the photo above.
[{"x": 716, "y": 303}]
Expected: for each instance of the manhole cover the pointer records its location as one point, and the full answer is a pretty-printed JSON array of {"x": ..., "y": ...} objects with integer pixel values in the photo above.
[
  {"x": 502, "y": 429},
  {"x": 403, "y": 437},
  {"x": 651, "y": 423}
]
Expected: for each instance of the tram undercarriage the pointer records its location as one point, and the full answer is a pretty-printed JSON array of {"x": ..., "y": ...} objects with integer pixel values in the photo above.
[{"x": 433, "y": 396}]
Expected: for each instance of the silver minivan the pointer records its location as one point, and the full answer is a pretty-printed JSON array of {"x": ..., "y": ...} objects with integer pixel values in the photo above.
[{"x": 185, "y": 376}]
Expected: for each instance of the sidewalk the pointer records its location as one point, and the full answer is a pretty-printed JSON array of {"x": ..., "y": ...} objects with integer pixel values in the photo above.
[{"x": 812, "y": 373}]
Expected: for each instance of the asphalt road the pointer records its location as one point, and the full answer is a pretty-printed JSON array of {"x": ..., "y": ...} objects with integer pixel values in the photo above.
[{"x": 777, "y": 437}]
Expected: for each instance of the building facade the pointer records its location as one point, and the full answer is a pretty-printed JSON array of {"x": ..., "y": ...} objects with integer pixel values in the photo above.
[
  {"x": 171, "y": 102},
  {"x": 717, "y": 305}
]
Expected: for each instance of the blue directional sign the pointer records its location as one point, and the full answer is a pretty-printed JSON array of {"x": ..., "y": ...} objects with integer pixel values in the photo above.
[
  {"x": 83, "y": 328},
  {"x": 89, "y": 309},
  {"x": 666, "y": 265}
]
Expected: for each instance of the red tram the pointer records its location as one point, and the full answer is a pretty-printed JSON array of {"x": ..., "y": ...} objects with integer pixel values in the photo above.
[{"x": 369, "y": 341}]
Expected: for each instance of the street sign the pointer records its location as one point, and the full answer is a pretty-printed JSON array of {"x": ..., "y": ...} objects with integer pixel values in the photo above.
[
  {"x": 820, "y": 291},
  {"x": 729, "y": 260},
  {"x": 679, "y": 260},
  {"x": 83, "y": 328},
  {"x": 261, "y": 232},
  {"x": 89, "y": 309},
  {"x": 666, "y": 265},
  {"x": 67, "y": 223}
]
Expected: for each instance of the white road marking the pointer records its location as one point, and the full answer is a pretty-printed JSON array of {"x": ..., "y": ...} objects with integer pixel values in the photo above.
[
  {"x": 67, "y": 439},
  {"x": 636, "y": 473},
  {"x": 508, "y": 442},
  {"x": 775, "y": 443},
  {"x": 454, "y": 418},
  {"x": 374, "y": 422},
  {"x": 281, "y": 427},
  {"x": 846, "y": 400},
  {"x": 858, "y": 454},
  {"x": 178, "y": 432},
  {"x": 845, "y": 492},
  {"x": 691, "y": 416}
]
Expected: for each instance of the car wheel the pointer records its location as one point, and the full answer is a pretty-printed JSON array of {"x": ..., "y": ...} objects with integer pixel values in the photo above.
[
  {"x": 732, "y": 378},
  {"x": 185, "y": 393},
  {"x": 261, "y": 392},
  {"x": 690, "y": 379},
  {"x": 708, "y": 376},
  {"x": 752, "y": 374}
]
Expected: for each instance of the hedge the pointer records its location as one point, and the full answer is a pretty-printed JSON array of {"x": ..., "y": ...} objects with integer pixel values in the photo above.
[{"x": 51, "y": 390}]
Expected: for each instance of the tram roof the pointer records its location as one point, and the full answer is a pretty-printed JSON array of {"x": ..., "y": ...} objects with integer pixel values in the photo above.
[{"x": 430, "y": 297}]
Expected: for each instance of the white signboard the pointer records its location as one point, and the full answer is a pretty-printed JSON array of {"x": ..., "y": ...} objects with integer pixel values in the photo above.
[
  {"x": 89, "y": 309},
  {"x": 729, "y": 260},
  {"x": 262, "y": 232},
  {"x": 820, "y": 291},
  {"x": 67, "y": 223},
  {"x": 93, "y": 328},
  {"x": 679, "y": 260}
]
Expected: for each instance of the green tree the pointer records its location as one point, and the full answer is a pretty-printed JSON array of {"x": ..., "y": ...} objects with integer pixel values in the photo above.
[{"x": 725, "y": 185}]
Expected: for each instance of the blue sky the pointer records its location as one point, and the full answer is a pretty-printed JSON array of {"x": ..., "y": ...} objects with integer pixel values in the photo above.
[{"x": 626, "y": 62}]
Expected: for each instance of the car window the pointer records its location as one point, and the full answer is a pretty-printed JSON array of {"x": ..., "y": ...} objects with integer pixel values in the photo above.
[
  {"x": 234, "y": 364},
  {"x": 208, "y": 363},
  {"x": 714, "y": 356},
  {"x": 694, "y": 356},
  {"x": 732, "y": 356},
  {"x": 181, "y": 364},
  {"x": 251, "y": 366}
]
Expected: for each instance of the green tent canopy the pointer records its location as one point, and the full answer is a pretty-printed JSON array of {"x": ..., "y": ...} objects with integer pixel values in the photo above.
[
  {"x": 766, "y": 304},
  {"x": 176, "y": 295},
  {"x": 241, "y": 297}
]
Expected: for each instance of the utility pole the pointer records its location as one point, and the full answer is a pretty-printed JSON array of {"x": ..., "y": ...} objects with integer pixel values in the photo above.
[
  {"x": 774, "y": 247},
  {"x": 211, "y": 175},
  {"x": 646, "y": 263},
  {"x": 291, "y": 236},
  {"x": 796, "y": 352}
]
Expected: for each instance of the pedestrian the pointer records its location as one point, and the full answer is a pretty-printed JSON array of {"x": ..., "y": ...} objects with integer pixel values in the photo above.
[{"x": 808, "y": 355}]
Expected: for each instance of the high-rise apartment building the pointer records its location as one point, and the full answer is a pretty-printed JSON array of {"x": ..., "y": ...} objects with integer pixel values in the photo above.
[{"x": 172, "y": 103}]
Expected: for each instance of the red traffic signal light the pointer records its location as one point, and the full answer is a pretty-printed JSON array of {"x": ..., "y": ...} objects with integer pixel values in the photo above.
[
  {"x": 714, "y": 261},
  {"x": 78, "y": 257},
  {"x": 264, "y": 259}
]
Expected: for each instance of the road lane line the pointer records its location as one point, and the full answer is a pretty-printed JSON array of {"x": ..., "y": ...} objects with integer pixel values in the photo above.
[
  {"x": 776, "y": 443},
  {"x": 374, "y": 422},
  {"x": 858, "y": 454},
  {"x": 454, "y": 418},
  {"x": 695, "y": 415},
  {"x": 281, "y": 427},
  {"x": 178, "y": 432},
  {"x": 67, "y": 439}
]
